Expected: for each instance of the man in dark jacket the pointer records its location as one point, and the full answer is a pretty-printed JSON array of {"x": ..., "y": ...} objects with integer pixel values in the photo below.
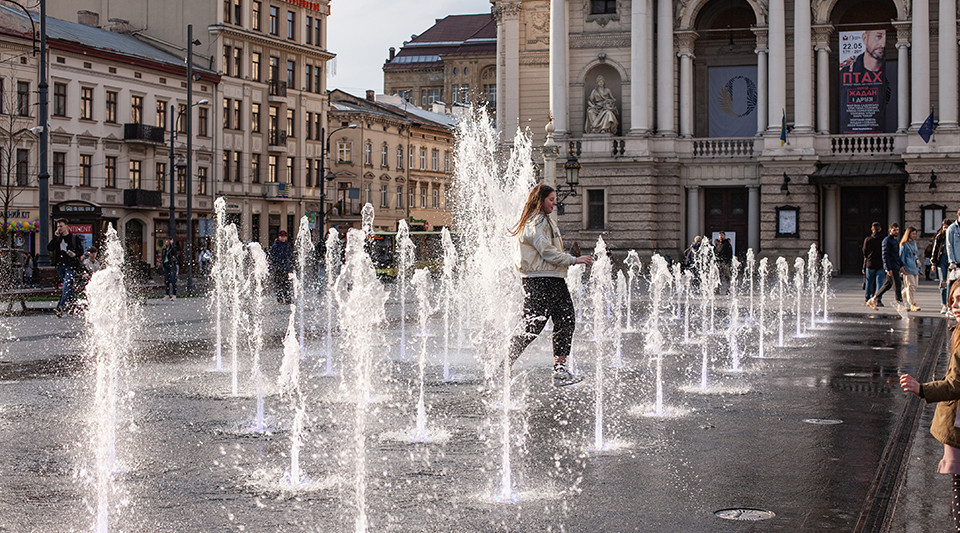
[
  {"x": 66, "y": 251},
  {"x": 170, "y": 260},
  {"x": 281, "y": 264},
  {"x": 892, "y": 265},
  {"x": 724, "y": 251},
  {"x": 873, "y": 262}
]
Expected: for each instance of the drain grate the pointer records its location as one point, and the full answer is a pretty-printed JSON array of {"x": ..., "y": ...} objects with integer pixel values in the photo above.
[
  {"x": 823, "y": 421},
  {"x": 745, "y": 514}
]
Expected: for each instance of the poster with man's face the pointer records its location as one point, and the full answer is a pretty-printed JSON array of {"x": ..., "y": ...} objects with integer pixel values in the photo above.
[{"x": 866, "y": 92}]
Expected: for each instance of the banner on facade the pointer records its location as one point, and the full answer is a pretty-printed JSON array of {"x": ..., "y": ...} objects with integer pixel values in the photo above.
[
  {"x": 867, "y": 83},
  {"x": 733, "y": 101}
]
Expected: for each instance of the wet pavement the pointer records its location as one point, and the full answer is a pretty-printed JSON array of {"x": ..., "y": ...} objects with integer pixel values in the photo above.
[{"x": 187, "y": 462}]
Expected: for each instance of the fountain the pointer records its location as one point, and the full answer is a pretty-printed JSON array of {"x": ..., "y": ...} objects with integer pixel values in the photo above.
[
  {"x": 798, "y": 283},
  {"x": 601, "y": 282},
  {"x": 826, "y": 268},
  {"x": 254, "y": 292},
  {"x": 783, "y": 273},
  {"x": 422, "y": 285},
  {"x": 289, "y": 383},
  {"x": 659, "y": 280},
  {"x": 762, "y": 324},
  {"x": 405, "y": 258},
  {"x": 678, "y": 287},
  {"x": 217, "y": 273},
  {"x": 304, "y": 253},
  {"x": 813, "y": 282},
  {"x": 233, "y": 271},
  {"x": 633, "y": 270},
  {"x": 449, "y": 265},
  {"x": 734, "y": 315},
  {"x": 751, "y": 263},
  {"x": 619, "y": 300},
  {"x": 687, "y": 289},
  {"x": 331, "y": 262}
]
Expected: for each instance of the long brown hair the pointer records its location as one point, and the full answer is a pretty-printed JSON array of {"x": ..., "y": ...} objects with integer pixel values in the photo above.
[
  {"x": 955, "y": 338},
  {"x": 533, "y": 206},
  {"x": 906, "y": 235}
]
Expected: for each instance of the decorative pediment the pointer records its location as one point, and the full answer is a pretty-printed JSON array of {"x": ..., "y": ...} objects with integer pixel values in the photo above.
[
  {"x": 368, "y": 175},
  {"x": 385, "y": 177}
]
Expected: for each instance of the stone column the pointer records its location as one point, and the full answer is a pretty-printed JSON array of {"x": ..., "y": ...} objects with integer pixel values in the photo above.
[
  {"x": 684, "y": 41},
  {"x": 501, "y": 95},
  {"x": 693, "y": 212},
  {"x": 761, "y": 52},
  {"x": 947, "y": 64},
  {"x": 651, "y": 68},
  {"x": 639, "y": 90},
  {"x": 831, "y": 224},
  {"x": 777, "y": 99},
  {"x": 920, "y": 78},
  {"x": 893, "y": 204},
  {"x": 511, "y": 69},
  {"x": 802, "y": 68},
  {"x": 822, "y": 39},
  {"x": 753, "y": 217},
  {"x": 559, "y": 99},
  {"x": 665, "y": 124},
  {"x": 903, "y": 75}
]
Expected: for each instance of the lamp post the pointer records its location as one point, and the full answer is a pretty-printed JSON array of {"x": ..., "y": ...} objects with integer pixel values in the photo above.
[
  {"x": 571, "y": 169},
  {"x": 174, "y": 119},
  {"x": 322, "y": 177},
  {"x": 43, "y": 185},
  {"x": 190, "y": 43}
]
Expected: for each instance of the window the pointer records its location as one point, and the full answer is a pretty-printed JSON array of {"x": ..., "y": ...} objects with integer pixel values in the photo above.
[
  {"x": 429, "y": 96},
  {"x": 161, "y": 114},
  {"x": 308, "y": 35},
  {"x": 343, "y": 151},
  {"x": 435, "y": 197},
  {"x": 435, "y": 160},
  {"x": 413, "y": 195},
  {"x": 309, "y": 123},
  {"x": 423, "y": 196},
  {"x": 226, "y": 10},
  {"x": 465, "y": 92},
  {"x": 291, "y": 25},
  {"x": 135, "y": 176},
  {"x": 368, "y": 153},
  {"x": 291, "y": 74},
  {"x": 226, "y": 61},
  {"x": 86, "y": 103},
  {"x": 256, "y": 7},
  {"x": 405, "y": 94},
  {"x": 161, "y": 172},
  {"x": 274, "y": 20},
  {"x": 237, "y": 62},
  {"x": 308, "y": 79},
  {"x": 255, "y": 117},
  {"x": 110, "y": 172},
  {"x": 23, "y": 167},
  {"x": 274, "y": 120},
  {"x": 291, "y": 122},
  {"x": 316, "y": 170},
  {"x": 136, "y": 109},
  {"x": 226, "y": 165},
  {"x": 237, "y": 122},
  {"x": 384, "y": 157},
  {"x": 237, "y": 169},
  {"x": 274, "y": 69},
  {"x": 86, "y": 169},
  {"x": 290, "y": 162},
  {"x": 316, "y": 79},
  {"x": 447, "y": 166},
  {"x": 59, "y": 167},
  {"x": 308, "y": 173},
  {"x": 316, "y": 32},
  {"x": 181, "y": 121},
  {"x": 456, "y": 93},
  {"x": 255, "y": 66},
  {"x": 399, "y": 196},
  {"x": 255, "y": 226},
  {"x": 423, "y": 159},
  {"x": 237, "y": 13},
  {"x": 181, "y": 180},
  {"x": 490, "y": 94},
  {"x": 272, "y": 169},
  {"x": 368, "y": 193},
  {"x": 384, "y": 194},
  {"x": 413, "y": 161},
  {"x": 3, "y": 96},
  {"x": 595, "y": 209},
  {"x": 226, "y": 113},
  {"x": 601, "y": 7},
  {"x": 23, "y": 98},
  {"x": 59, "y": 99},
  {"x": 316, "y": 127},
  {"x": 111, "y": 107},
  {"x": 203, "y": 129},
  {"x": 400, "y": 158},
  {"x": 255, "y": 168},
  {"x": 202, "y": 181}
]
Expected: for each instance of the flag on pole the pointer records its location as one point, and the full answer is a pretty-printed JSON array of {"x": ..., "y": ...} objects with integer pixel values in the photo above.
[
  {"x": 926, "y": 130},
  {"x": 783, "y": 129}
]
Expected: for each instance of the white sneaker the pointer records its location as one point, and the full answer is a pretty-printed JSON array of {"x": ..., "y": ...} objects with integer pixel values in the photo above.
[{"x": 562, "y": 378}]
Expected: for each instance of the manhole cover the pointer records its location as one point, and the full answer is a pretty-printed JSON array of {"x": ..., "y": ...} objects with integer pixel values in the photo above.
[
  {"x": 823, "y": 421},
  {"x": 744, "y": 514}
]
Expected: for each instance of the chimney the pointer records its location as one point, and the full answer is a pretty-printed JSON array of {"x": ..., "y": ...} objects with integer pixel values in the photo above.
[
  {"x": 371, "y": 95},
  {"x": 88, "y": 18},
  {"x": 118, "y": 25},
  {"x": 393, "y": 53}
]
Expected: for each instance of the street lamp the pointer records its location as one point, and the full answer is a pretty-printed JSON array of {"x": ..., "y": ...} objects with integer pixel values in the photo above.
[
  {"x": 174, "y": 119},
  {"x": 323, "y": 177},
  {"x": 571, "y": 170}
]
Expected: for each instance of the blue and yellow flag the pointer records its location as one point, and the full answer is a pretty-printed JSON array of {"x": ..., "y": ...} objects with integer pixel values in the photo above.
[
  {"x": 926, "y": 129},
  {"x": 783, "y": 129}
]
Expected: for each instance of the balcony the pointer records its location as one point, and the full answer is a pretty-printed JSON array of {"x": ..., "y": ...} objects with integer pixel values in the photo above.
[
  {"x": 142, "y": 198},
  {"x": 278, "y": 89},
  {"x": 278, "y": 139},
  {"x": 876, "y": 144},
  {"x": 723, "y": 147},
  {"x": 143, "y": 133}
]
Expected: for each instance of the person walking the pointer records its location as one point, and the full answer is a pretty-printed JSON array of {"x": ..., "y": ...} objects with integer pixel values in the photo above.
[
  {"x": 724, "y": 251},
  {"x": 170, "y": 259},
  {"x": 281, "y": 264},
  {"x": 892, "y": 266},
  {"x": 543, "y": 270},
  {"x": 945, "y": 393},
  {"x": 873, "y": 263},
  {"x": 910, "y": 257},
  {"x": 940, "y": 261},
  {"x": 65, "y": 249},
  {"x": 953, "y": 250},
  {"x": 205, "y": 259}
]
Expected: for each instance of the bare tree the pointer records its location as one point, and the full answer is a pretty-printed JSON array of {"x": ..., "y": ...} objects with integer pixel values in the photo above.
[{"x": 15, "y": 175}]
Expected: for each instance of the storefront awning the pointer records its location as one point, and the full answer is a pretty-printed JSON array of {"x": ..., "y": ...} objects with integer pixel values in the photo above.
[{"x": 860, "y": 173}]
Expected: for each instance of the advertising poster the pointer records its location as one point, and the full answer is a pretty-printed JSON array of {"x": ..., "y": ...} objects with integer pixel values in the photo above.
[
  {"x": 84, "y": 231},
  {"x": 867, "y": 100},
  {"x": 733, "y": 101}
]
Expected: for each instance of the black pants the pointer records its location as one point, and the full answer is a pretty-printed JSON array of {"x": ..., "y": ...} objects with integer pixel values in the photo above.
[
  {"x": 889, "y": 282},
  {"x": 281, "y": 281},
  {"x": 546, "y": 298}
]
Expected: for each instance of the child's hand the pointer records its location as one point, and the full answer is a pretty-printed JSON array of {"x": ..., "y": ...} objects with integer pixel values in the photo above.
[{"x": 908, "y": 384}]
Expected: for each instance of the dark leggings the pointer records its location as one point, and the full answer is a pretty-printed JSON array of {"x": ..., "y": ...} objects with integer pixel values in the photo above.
[
  {"x": 546, "y": 298},
  {"x": 889, "y": 282}
]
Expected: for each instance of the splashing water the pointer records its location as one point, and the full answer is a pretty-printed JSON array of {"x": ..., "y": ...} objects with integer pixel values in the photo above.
[
  {"x": 304, "y": 250},
  {"x": 255, "y": 293},
  {"x": 289, "y": 382},
  {"x": 633, "y": 270},
  {"x": 367, "y": 216},
  {"x": 798, "y": 282},
  {"x": 826, "y": 270},
  {"x": 233, "y": 273},
  {"x": 687, "y": 289},
  {"x": 659, "y": 280},
  {"x": 762, "y": 324},
  {"x": 813, "y": 282},
  {"x": 217, "y": 273},
  {"x": 447, "y": 283},
  {"x": 332, "y": 264},
  {"x": 619, "y": 300},
  {"x": 405, "y": 258},
  {"x": 422, "y": 287},
  {"x": 751, "y": 263},
  {"x": 601, "y": 281},
  {"x": 734, "y": 313},
  {"x": 678, "y": 288},
  {"x": 783, "y": 274}
]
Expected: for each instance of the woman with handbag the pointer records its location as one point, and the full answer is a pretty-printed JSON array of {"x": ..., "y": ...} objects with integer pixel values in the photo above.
[{"x": 910, "y": 257}]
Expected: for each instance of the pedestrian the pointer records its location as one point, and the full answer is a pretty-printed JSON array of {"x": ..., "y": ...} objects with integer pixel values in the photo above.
[
  {"x": 724, "y": 251},
  {"x": 205, "y": 259},
  {"x": 873, "y": 263},
  {"x": 90, "y": 261},
  {"x": 945, "y": 393},
  {"x": 170, "y": 260},
  {"x": 928, "y": 265},
  {"x": 543, "y": 270},
  {"x": 281, "y": 265},
  {"x": 690, "y": 254},
  {"x": 910, "y": 258},
  {"x": 892, "y": 266},
  {"x": 65, "y": 251},
  {"x": 28, "y": 270},
  {"x": 953, "y": 250},
  {"x": 940, "y": 260}
]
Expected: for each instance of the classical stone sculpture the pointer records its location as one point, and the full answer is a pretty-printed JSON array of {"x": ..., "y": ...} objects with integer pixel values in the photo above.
[{"x": 602, "y": 115}]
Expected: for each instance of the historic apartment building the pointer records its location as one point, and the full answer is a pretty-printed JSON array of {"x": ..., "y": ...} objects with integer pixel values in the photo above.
[
  {"x": 268, "y": 111},
  {"x": 453, "y": 62},
  {"x": 683, "y": 137},
  {"x": 398, "y": 158},
  {"x": 111, "y": 97}
]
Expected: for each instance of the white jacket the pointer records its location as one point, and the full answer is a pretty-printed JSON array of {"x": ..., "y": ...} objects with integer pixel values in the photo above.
[{"x": 539, "y": 250}]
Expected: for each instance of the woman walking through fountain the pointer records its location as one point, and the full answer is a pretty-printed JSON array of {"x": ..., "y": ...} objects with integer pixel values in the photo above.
[
  {"x": 945, "y": 391},
  {"x": 543, "y": 269}
]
